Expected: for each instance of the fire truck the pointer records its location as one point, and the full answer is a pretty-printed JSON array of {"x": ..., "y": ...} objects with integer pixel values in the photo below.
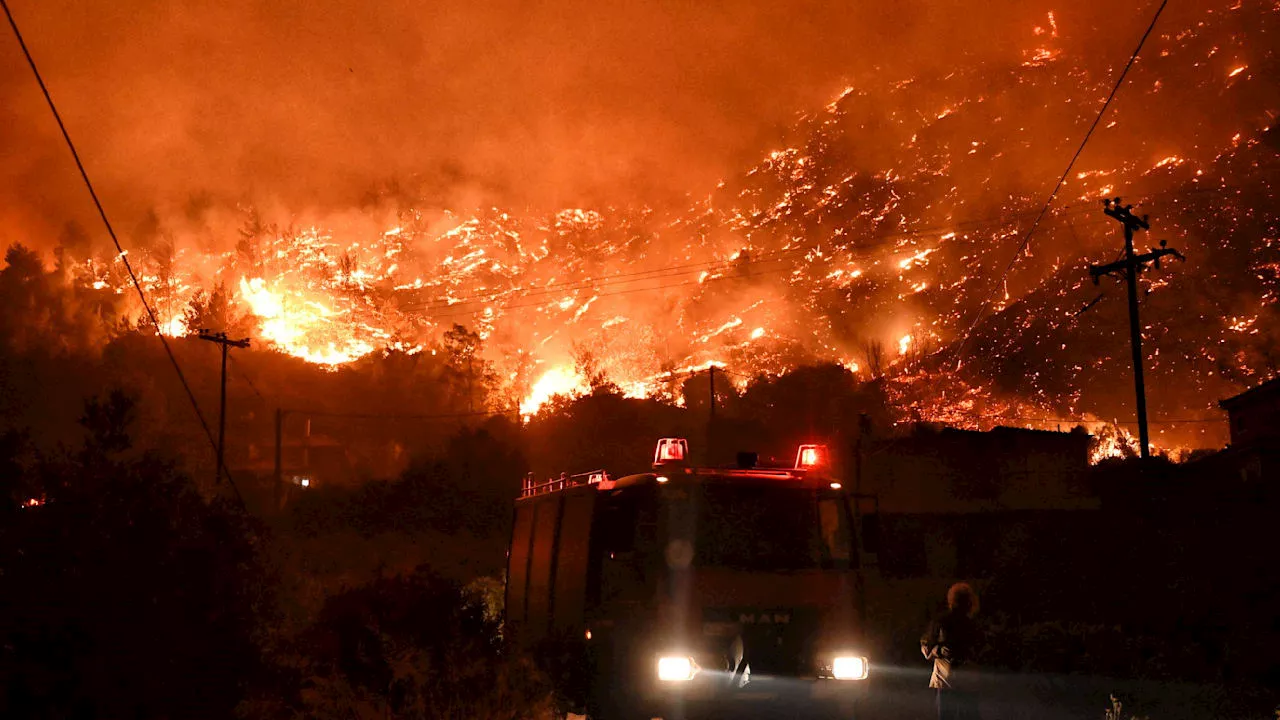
[{"x": 695, "y": 591}]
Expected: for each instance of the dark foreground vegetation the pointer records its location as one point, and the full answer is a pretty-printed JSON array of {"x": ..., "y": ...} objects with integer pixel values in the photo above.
[
  {"x": 130, "y": 593},
  {"x": 132, "y": 585}
]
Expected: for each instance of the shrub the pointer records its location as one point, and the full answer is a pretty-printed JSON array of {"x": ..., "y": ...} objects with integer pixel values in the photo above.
[{"x": 414, "y": 647}]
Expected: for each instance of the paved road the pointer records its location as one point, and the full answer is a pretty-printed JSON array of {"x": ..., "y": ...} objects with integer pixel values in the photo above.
[{"x": 904, "y": 695}]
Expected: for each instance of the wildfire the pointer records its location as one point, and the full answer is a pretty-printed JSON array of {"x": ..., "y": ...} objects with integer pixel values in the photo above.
[
  {"x": 815, "y": 254},
  {"x": 298, "y": 326},
  {"x": 559, "y": 380},
  {"x": 175, "y": 326}
]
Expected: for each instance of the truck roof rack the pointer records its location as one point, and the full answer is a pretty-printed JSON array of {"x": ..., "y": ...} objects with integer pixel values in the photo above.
[
  {"x": 671, "y": 458},
  {"x": 776, "y": 473},
  {"x": 533, "y": 487}
]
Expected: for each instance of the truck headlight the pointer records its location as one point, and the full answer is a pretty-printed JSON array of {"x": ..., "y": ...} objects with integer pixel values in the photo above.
[
  {"x": 849, "y": 667},
  {"x": 676, "y": 668}
]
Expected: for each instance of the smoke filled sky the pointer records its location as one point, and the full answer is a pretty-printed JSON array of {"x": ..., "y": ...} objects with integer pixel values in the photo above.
[{"x": 316, "y": 104}]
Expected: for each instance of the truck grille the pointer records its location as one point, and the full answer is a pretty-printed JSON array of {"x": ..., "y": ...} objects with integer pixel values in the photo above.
[{"x": 775, "y": 641}]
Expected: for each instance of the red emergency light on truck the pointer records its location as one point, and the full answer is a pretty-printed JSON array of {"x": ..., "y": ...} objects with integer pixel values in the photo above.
[{"x": 687, "y": 590}]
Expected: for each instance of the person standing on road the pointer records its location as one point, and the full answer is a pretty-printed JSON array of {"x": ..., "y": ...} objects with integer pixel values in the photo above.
[{"x": 951, "y": 641}]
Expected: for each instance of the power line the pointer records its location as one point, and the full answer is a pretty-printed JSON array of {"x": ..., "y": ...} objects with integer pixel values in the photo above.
[
  {"x": 655, "y": 274},
  {"x": 1021, "y": 418},
  {"x": 399, "y": 416},
  {"x": 356, "y": 415},
  {"x": 1097, "y": 421},
  {"x": 662, "y": 286},
  {"x": 611, "y": 279},
  {"x": 767, "y": 258},
  {"x": 666, "y": 286},
  {"x": 684, "y": 374},
  {"x": 1026, "y": 239},
  {"x": 771, "y": 257},
  {"x": 123, "y": 255},
  {"x": 247, "y": 379}
]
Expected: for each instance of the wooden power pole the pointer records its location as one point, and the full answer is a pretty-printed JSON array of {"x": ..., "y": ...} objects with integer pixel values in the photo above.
[
  {"x": 224, "y": 343},
  {"x": 711, "y": 376},
  {"x": 1127, "y": 269}
]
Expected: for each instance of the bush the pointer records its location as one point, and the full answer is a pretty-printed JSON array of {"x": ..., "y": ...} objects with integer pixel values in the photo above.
[
  {"x": 1096, "y": 649},
  {"x": 414, "y": 647},
  {"x": 1116, "y": 711}
]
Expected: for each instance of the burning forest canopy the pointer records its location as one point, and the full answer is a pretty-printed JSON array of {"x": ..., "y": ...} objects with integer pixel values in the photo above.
[{"x": 869, "y": 197}]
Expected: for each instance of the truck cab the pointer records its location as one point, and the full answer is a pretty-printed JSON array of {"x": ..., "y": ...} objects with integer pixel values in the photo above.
[{"x": 695, "y": 591}]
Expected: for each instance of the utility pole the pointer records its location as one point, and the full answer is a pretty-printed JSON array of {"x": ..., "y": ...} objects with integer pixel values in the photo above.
[
  {"x": 711, "y": 376},
  {"x": 1127, "y": 269},
  {"x": 224, "y": 343}
]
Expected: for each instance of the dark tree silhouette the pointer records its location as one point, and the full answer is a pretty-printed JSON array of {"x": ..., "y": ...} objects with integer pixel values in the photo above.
[
  {"x": 214, "y": 311},
  {"x": 470, "y": 378},
  {"x": 126, "y": 594}
]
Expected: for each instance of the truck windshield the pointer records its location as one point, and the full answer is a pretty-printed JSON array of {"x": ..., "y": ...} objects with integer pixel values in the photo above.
[{"x": 758, "y": 527}]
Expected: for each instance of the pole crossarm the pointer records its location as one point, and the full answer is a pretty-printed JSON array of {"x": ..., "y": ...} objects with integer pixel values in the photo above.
[
  {"x": 1124, "y": 213},
  {"x": 1140, "y": 262},
  {"x": 224, "y": 342},
  {"x": 222, "y": 339}
]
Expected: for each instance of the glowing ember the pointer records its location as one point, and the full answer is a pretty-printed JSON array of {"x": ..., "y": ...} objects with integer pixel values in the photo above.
[{"x": 919, "y": 258}]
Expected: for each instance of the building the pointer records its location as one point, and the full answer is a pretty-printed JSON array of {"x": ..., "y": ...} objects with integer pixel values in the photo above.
[
  {"x": 1254, "y": 453},
  {"x": 1255, "y": 414},
  {"x": 949, "y": 471},
  {"x": 306, "y": 461},
  {"x": 969, "y": 505}
]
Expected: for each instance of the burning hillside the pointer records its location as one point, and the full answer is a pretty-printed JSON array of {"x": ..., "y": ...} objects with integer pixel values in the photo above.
[{"x": 877, "y": 255}]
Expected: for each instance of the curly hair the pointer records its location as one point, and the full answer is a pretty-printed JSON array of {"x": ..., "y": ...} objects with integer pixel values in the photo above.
[{"x": 962, "y": 598}]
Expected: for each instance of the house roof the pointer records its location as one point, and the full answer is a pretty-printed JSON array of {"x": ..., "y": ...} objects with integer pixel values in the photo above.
[{"x": 1268, "y": 389}]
